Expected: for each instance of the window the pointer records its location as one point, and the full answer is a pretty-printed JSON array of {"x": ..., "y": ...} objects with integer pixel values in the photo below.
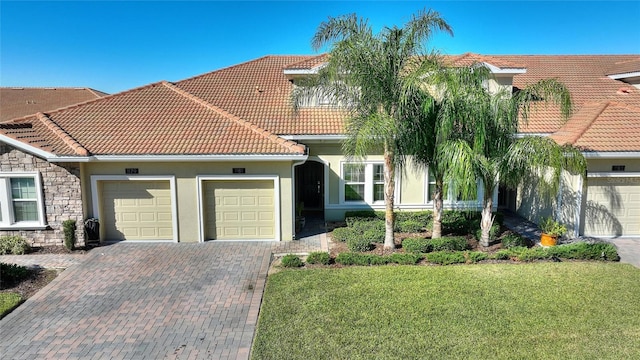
[
  {"x": 21, "y": 200},
  {"x": 363, "y": 182},
  {"x": 449, "y": 194}
]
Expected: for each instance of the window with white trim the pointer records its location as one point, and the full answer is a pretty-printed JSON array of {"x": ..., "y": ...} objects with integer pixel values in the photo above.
[
  {"x": 363, "y": 182},
  {"x": 449, "y": 194},
  {"x": 21, "y": 203}
]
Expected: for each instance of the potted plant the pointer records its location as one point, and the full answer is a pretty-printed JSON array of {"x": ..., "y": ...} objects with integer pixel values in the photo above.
[
  {"x": 551, "y": 230},
  {"x": 300, "y": 220}
]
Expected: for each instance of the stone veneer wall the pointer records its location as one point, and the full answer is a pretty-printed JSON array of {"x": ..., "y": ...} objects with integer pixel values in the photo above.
[{"x": 62, "y": 195}]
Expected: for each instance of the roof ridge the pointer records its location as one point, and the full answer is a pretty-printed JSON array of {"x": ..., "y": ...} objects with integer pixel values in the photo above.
[
  {"x": 307, "y": 58},
  {"x": 63, "y": 135},
  {"x": 225, "y": 68},
  {"x": 93, "y": 92},
  {"x": 291, "y": 145},
  {"x": 588, "y": 125}
]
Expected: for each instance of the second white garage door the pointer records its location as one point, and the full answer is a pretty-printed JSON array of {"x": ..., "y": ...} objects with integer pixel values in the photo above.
[
  {"x": 239, "y": 210},
  {"x": 613, "y": 207},
  {"x": 136, "y": 210}
]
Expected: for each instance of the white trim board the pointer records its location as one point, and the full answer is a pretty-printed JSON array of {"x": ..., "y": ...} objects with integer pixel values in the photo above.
[
  {"x": 276, "y": 195},
  {"x": 97, "y": 209}
]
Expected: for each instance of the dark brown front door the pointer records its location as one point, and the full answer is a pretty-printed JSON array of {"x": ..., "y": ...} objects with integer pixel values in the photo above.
[{"x": 310, "y": 185}]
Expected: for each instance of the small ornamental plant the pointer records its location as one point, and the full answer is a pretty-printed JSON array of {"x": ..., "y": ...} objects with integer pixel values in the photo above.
[{"x": 552, "y": 227}]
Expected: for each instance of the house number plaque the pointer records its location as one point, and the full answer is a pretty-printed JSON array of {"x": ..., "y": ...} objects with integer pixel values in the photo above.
[{"x": 129, "y": 171}]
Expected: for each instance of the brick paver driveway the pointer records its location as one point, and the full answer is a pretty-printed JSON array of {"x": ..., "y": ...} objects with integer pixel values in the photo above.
[{"x": 145, "y": 301}]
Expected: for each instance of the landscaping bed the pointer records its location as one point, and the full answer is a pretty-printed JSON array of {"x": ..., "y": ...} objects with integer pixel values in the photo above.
[{"x": 20, "y": 283}]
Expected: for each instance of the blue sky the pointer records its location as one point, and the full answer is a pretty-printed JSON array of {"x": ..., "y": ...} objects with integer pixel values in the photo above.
[{"x": 115, "y": 46}]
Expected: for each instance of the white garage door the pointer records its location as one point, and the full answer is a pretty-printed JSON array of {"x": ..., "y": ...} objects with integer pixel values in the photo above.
[
  {"x": 239, "y": 210},
  {"x": 136, "y": 210},
  {"x": 613, "y": 207}
]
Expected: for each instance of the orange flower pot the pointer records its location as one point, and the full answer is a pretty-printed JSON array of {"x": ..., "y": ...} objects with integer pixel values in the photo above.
[{"x": 548, "y": 240}]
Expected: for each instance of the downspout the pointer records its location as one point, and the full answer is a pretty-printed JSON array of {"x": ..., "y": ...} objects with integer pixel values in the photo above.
[{"x": 578, "y": 215}]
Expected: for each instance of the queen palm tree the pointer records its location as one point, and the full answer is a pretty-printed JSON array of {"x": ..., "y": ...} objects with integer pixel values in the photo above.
[
  {"x": 476, "y": 137},
  {"x": 370, "y": 76}
]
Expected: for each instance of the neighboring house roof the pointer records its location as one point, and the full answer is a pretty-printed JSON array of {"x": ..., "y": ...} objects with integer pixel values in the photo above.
[
  {"x": 469, "y": 59},
  {"x": 157, "y": 119},
  {"x": 17, "y": 101},
  {"x": 625, "y": 67}
]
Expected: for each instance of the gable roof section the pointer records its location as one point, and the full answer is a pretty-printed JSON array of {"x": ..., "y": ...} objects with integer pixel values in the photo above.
[
  {"x": 259, "y": 92},
  {"x": 469, "y": 59},
  {"x": 18, "y": 102},
  {"x": 625, "y": 67},
  {"x": 157, "y": 119},
  {"x": 603, "y": 127}
]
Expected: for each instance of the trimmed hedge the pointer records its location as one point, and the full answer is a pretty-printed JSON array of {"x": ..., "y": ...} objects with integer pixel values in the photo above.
[
  {"x": 291, "y": 260},
  {"x": 343, "y": 234},
  {"x": 69, "y": 228},
  {"x": 12, "y": 273},
  {"x": 373, "y": 259},
  {"x": 410, "y": 226},
  {"x": 319, "y": 257},
  {"x": 416, "y": 245},
  {"x": 446, "y": 257},
  {"x": 359, "y": 244},
  {"x": 513, "y": 240},
  {"x": 457, "y": 243},
  {"x": 577, "y": 251},
  {"x": 16, "y": 245}
]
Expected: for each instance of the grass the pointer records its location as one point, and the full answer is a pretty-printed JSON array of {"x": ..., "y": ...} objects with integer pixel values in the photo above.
[
  {"x": 575, "y": 310},
  {"x": 8, "y": 301}
]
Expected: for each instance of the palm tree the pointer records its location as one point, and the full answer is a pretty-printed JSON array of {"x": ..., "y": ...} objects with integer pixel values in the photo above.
[
  {"x": 477, "y": 131},
  {"x": 370, "y": 75}
]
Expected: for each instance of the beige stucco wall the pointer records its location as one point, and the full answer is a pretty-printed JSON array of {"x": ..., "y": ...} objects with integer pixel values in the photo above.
[
  {"x": 186, "y": 187},
  {"x": 604, "y": 165}
]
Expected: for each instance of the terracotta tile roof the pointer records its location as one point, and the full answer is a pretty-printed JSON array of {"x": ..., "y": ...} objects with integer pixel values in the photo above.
[
  {"x": 469, "y": 59},
  {"x": 606, "y": 126},
  {"x": 259, "y": 92},
  {"x": 584, "y": 75},
  {"x": 624, "y": 67},
  {"x": 19, "y": 102},
  {"x": 307, "y": 64},
  {"x": 157, "y": 119}
]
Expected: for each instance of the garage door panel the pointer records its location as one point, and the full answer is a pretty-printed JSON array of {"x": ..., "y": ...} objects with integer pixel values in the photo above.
[
  {"x": 613, "y": 207},
  {"x": 242, "y": 209},
  {"x": 137, "y": 210}
]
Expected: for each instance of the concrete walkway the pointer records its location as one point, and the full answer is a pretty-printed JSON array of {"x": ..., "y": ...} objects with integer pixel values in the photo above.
[
  {"x": 147, "y": 301},
  {"x": 628, "y": 248}
]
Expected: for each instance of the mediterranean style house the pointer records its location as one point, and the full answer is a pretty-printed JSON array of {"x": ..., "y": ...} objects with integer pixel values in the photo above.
[{"x": 223, "y": 156}]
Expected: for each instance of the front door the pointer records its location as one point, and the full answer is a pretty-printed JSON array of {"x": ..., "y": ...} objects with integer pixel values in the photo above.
[{"x": 310, "y": 186}]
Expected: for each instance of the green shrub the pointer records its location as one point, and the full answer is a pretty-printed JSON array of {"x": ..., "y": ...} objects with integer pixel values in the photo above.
[
  {"x": 417, "y": 245},
  {"x": 364, "y": 214},
  {"x": 456, "y": 243},
  {"x": 343, "y": 234},
  {"x": 446, "y": 257},
  {"x": 16, "y": 245},
  {"x": 69, "y": 228},
  {"x": 291, "y": 260},
  {"x": 535, "y": 253},
  {"x": 359, "y": 244},
  {"x": 12, "y": 273},
  {"x": 493, "y": 232},
  {"x": 513, "y": 240},
  {"x": 422, "y": 217},
  {"x": 475, "y": 256},
  {"x": 367, "y": 224},
  {"x": 374, "y": 259},
  {"x": 409, "y": 226},
  {"x": 585, "y": 251},
  {"x": 499, "y": 218},
  {"x": 504, "y": 254},
  {"x": 319, "y": 257},
  {"x": 404, "y": 259}
]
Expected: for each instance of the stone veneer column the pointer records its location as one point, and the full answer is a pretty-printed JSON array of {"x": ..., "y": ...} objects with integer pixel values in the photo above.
[{"x": 62, "y": 195}]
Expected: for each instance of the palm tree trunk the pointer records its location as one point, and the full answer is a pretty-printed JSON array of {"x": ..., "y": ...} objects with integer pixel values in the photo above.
[
  {"x": 389, "y": 190},
  {"x": 436, "y": 232},
  {"x": 487, "y": 220}
]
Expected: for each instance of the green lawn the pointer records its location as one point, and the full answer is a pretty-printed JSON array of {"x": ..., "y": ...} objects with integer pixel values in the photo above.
[
  {"x": 580, "y": 310},
  {"x": 8, "y": 301}
]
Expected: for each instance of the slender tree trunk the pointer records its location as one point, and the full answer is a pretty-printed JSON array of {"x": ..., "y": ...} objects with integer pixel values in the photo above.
[
  {"x": 389, "y": 190},
  {"x": 487, "y": 219},
  {"x": 436, "y": 232}
]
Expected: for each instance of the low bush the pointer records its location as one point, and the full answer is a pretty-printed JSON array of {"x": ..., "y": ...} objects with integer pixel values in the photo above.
[
  {"x": 475, "y": 256},
  {"x": 422, "y": 217},
  {"x": 409, "y": 226},
  {"x": 364, "y": 214},
  {"x": 456, "y": 243},
  {"x": 456, "y": 222},
  {"x": 12, "y": 273},
  {"x": 16, "y": 245},
  {"x": 291, "y": 261},
  {"x": 416, "y": 245},
  {"x": 513, "y": 240},
  {"x": 585, "y": 251},
  {"x": 343, "y": 234},
  {"x": 446, "y": 257},
  {"x": 359, "y": 244},
  {"x": 69, "y": 228},
  {"x": 363, "y": 225},
  {"x": 319, "y": 257},
  {"x": 373, "y": 259},
  {"x": 374, "y": 235},
  {"x": 504, "y": 254}
]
